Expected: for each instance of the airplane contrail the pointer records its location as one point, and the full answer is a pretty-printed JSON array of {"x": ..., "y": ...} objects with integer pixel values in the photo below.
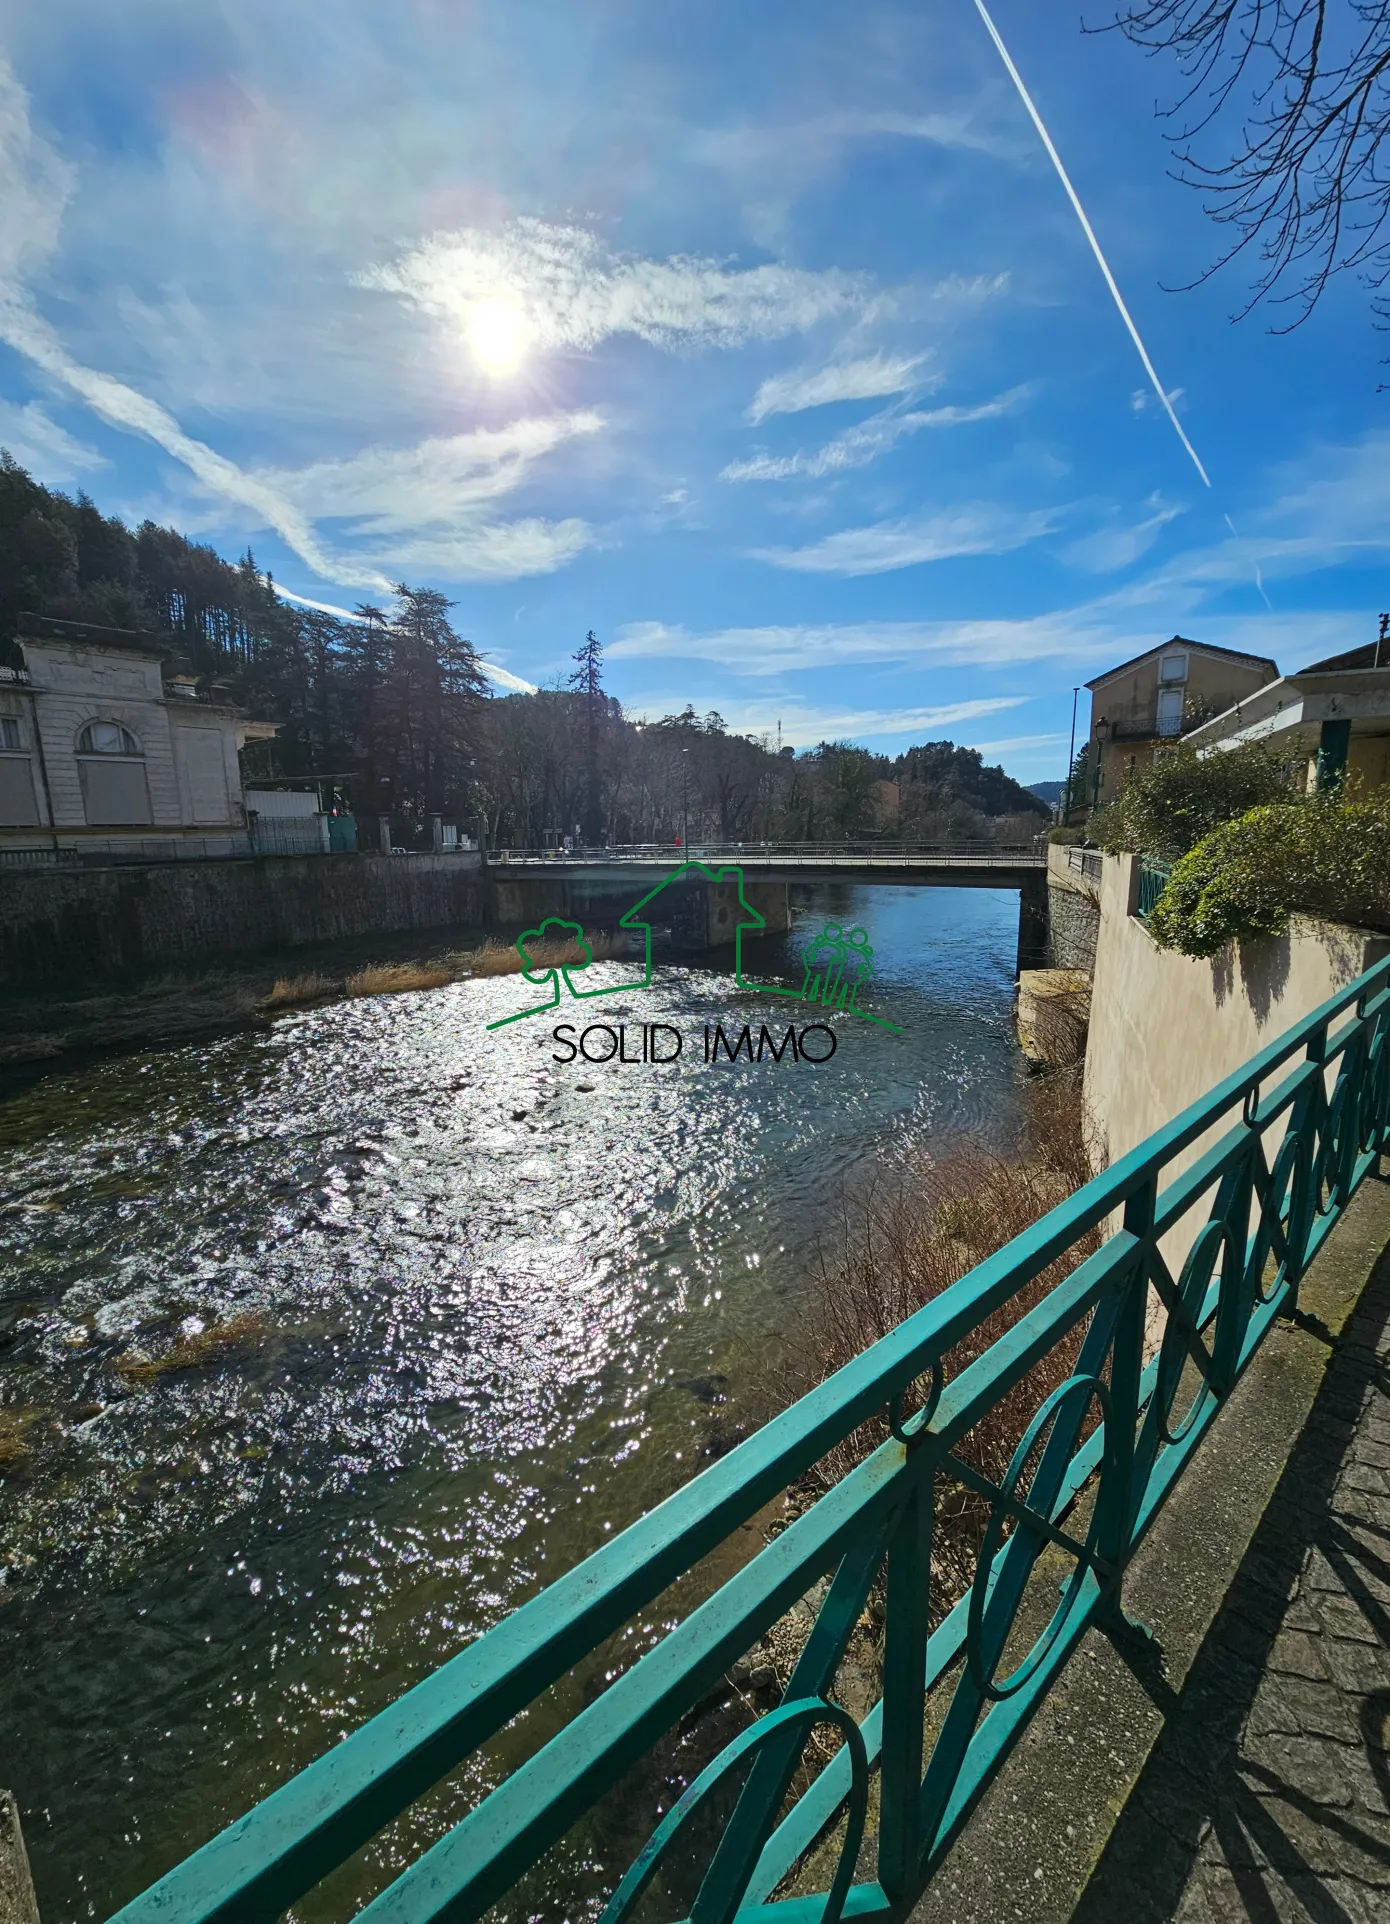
[{"x": 1089, "y": 232}]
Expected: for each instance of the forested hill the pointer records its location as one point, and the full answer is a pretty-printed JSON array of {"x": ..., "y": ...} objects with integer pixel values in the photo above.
[{"x": 392, "y": 709}]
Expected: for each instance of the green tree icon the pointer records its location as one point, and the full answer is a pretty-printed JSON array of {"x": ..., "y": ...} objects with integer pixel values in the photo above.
[{"x": 541, "y": 973}]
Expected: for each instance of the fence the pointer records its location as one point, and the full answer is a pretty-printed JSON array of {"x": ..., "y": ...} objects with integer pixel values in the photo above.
[
  {"x": 819, "y": 854},
  {"x": 1086, "y": 862},
  {"x": 1302, "y": 1124},
  {"x": 1153, "y": 880}
]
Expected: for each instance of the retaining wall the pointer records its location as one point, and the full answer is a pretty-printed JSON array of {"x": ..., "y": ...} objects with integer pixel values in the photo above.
[
  {"x": 1073, "y": 910},
  {"x": 66, "y": 926}
]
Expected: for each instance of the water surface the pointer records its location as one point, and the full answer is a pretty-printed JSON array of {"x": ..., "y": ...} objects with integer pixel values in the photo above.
[{"x": 502, "y": 1305}]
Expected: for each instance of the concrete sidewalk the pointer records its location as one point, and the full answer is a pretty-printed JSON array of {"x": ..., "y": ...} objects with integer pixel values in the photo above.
[{"x": 1267, "y": 1796}]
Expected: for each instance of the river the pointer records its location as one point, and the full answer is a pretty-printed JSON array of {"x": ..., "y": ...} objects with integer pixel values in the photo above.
[{"x": 495, "y": 1307}]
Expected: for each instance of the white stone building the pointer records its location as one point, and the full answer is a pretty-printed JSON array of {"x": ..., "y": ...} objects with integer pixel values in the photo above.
[{"x": 104, "y": 754}]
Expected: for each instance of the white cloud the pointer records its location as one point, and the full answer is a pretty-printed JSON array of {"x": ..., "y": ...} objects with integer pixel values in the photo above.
[
  {"x": 777, "y": 650},
  {"x": 1111, "y": 548},
  {"x": 977, "y": 529},
  {"x": 49, "y": 452},
  {"x": 862, "y": 380},
  {"x": 1144, "y": 398},
  {"x": 34, "y": 187},
  {"x": 1015, "y": 744},
  {"x": 804, "y": 726},
  {"x": 422, "y": 504},
  {"x": 856, "y": 447},
  {"x": 565, "y": 288}
]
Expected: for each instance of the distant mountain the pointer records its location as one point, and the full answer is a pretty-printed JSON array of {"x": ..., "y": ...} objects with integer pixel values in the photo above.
[{"x": 1048, "y": 792}]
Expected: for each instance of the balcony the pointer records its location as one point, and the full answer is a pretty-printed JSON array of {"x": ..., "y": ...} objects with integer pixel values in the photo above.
[{"x": 15, "y": 678}]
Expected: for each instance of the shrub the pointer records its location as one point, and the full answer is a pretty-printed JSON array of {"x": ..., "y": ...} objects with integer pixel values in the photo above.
[
  {"x": 1180, "y": 797},
  {"x": 1329, "y": 857}
]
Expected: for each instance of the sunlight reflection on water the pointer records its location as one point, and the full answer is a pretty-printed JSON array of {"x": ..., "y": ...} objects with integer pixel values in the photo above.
[{"x": 504, "y": 1305}]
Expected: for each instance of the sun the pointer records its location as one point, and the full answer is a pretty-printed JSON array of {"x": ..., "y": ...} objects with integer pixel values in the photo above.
[{"x": 499, "y": 334}]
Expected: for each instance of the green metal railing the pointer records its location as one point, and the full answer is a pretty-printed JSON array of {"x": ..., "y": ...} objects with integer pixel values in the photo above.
[
  {"x": 1248, "y": 1182},
  {"x": 1153, "y": 880}
]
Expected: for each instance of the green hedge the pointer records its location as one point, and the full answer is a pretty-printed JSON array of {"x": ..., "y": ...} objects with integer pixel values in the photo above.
[
  {"x": 1326, "y": 856},
  {"x": 1169, "y": 806}
]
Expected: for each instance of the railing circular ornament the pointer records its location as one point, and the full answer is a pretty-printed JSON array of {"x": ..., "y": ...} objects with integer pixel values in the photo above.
[
  {"x": 1078, "y": 1390},
  {"x": 1283, "y": 1216},
  {"x": 809, "y": 1711},
  {"x": 1212, "y": 1239}
]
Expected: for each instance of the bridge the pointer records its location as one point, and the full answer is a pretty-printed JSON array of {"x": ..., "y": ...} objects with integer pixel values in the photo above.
[
  {"x": 591, "y": 883},
  {"x": 1217, "y": 1219}
]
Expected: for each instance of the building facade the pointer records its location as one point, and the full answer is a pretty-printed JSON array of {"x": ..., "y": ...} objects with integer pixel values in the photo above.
[
  {"x": 1333, "y": 716},
  {"x": 104, "y": 753},
  {"x": 1156, "y": 698}
]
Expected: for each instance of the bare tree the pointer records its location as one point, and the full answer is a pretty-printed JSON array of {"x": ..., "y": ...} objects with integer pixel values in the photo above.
[{"x": 1308, "y": 186}]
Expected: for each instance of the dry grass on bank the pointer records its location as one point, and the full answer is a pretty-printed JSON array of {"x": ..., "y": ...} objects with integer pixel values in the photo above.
[
  {"x": 395, "y": 978},
  {"x": 902, "y": 1237},
  {"x": 14, "y": 1450},
  {"x": 214, "y": 1344}
]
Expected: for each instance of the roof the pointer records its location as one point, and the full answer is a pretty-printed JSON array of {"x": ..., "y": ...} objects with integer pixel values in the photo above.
[
  {"x": 1374, "y": 654},
  {"x": 694, "y": 871},
  {"x": 91, "y": 634},
  {"x": 1202, "y": 648}
]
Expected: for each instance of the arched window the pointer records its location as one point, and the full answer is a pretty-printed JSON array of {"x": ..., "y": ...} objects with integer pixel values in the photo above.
[
  {"x": 111, "y": 765},
  {"x": 107, "y": 738}
]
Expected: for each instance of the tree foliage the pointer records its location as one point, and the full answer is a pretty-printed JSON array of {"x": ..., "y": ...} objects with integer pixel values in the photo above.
[
  {"x": 1181, "y": 796},
  {"x": 393, "y": 704},
  {"x": 1327, "y": 856},
  {"x": 1307, "y": 187}
]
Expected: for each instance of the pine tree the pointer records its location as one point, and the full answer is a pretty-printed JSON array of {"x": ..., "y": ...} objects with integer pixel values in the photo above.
[{"x": 587, "y": 680}]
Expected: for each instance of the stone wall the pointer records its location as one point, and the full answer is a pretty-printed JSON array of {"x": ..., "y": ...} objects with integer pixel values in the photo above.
[
  {"x": 1073, "y": 911},
  {"x": 70, "y": 926}
]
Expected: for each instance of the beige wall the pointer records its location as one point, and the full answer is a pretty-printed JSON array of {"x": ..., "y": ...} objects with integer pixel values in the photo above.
[
  {"x": 1130, "y": 702},
  {"x": 1166, "y": 1028}
]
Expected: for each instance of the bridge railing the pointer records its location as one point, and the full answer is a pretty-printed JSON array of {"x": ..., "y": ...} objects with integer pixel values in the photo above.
[
  {"x": 1248, "y": 1183},
  {"x": 854, "y": 854}
]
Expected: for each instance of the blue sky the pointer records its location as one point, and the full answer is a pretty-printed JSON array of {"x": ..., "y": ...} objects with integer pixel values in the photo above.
[{"x": 761, "y": 340}]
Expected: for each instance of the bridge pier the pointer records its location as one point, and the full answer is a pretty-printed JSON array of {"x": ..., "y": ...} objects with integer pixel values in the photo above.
[{"x": 1034, "y": 926}]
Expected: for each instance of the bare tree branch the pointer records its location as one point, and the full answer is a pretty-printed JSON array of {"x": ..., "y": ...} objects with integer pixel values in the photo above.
[{"x": 1308, "y": 186}]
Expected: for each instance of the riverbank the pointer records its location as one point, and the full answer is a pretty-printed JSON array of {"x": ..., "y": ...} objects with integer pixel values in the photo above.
[{"x": 41, "y": 1030}]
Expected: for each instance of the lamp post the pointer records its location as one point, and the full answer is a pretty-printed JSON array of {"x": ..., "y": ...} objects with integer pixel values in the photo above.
[
  {"x": 1071, "y": 755},
  {"x": 685, "y": 803},
  {"x": 1102, "y": 734}
]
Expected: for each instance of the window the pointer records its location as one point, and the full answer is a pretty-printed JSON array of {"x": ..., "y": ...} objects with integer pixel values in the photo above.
[
  {"x": 1170, "y": 711},
  {"x": 106, "y": 738},
  {"x": 10, "y": 736},
  {"x": 114, "y": 791},
  {"x": 1173, "y": 668}
]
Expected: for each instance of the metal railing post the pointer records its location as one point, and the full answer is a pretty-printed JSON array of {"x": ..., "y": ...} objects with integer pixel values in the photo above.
[
  {"x": 1117, "y": 1507},
  {"x": 906, "y": 1627}
]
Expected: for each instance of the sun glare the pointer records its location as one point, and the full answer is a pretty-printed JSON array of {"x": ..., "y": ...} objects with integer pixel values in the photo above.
[{"x": 498, "y": 334}]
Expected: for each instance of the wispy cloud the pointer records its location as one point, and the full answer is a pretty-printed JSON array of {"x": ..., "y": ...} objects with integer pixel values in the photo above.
[
  {"x": 977, "y": 529},
  {"x": 566, "y": 288},
  {"x": 856, "y": 447},
  {"x": 862, "y": 380},
  {"x": 776, "y": 650},
  {"x": 48, "y": 451},
  {"x": 803, "y": 725},
  {"x": 1109, "y": 549}
]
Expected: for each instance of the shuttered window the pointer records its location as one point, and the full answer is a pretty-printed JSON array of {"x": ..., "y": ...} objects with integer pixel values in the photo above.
[{"x": 19, "y": 807}]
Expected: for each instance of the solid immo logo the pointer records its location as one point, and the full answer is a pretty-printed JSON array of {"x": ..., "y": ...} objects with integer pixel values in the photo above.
[{"x": 838, "y": 966}]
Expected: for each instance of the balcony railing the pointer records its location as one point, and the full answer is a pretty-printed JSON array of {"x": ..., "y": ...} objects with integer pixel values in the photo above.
[
  {"x": 1280, "y": 1148},
  {"x": 1153, "y": 880}
]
